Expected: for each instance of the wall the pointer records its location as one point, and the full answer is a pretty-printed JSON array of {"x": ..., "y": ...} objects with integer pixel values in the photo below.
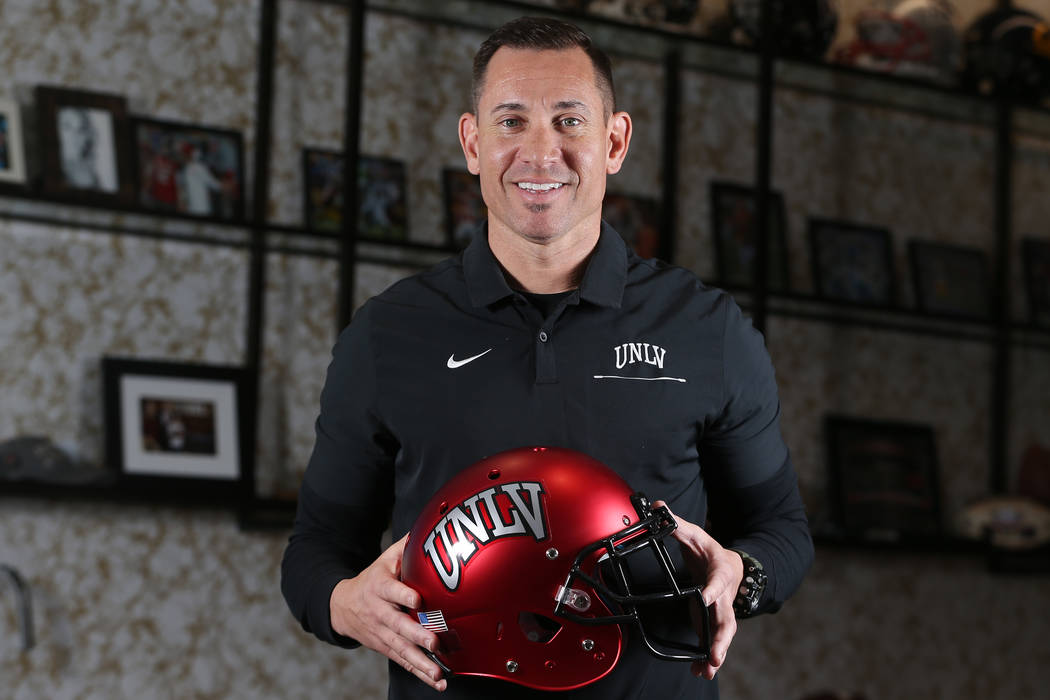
[{"x": 138, "y": 601}]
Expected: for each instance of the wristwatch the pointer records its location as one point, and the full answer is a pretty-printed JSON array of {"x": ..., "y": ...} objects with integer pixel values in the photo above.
[{"x": 751, "y": 586}]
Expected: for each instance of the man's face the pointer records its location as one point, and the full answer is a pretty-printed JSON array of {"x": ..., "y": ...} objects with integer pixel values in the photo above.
[{"x": 543, "y": 144}]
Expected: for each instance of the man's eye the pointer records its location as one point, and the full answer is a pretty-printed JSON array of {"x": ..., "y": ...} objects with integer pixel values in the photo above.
[
  {"x": 509, "y": 122},
  {"x": 570, "y": 121}
]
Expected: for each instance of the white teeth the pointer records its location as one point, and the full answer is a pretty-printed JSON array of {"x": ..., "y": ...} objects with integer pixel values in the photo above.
[{"x": 538, "y": 187}]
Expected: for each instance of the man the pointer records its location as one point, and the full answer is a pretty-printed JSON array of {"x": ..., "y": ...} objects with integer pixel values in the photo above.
[{"x": 546, "y": 330}]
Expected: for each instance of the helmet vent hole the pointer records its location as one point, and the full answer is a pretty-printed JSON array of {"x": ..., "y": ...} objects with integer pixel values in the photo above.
[
  {"x": 494, "y": 474},
  {"x": 443, "y": 508},
  {"x": 538, "y": 628}
]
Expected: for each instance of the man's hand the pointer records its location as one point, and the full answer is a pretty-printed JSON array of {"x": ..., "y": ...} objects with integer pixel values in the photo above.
[
  {"x": 368, "y": 608},
  {"x": 722, "y": 570}
]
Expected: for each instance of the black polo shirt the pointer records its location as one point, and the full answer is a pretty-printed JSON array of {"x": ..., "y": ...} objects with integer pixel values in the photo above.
[{"x": 643, "y": 367}]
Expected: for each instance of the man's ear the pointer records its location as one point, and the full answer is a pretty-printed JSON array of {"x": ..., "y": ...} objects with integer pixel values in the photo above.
[
  {"x": 619, "y": 140},
  {"x": 468, "y": 140}
]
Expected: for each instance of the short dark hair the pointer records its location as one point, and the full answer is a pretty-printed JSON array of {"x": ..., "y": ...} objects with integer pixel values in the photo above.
[{"x": 543, "y": 33}]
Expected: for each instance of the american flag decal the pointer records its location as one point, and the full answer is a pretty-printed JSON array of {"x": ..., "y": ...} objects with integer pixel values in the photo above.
[{"x": 434, "y": 620}]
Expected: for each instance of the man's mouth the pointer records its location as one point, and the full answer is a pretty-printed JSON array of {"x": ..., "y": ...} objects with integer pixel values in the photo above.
[{"x": 539, "y": 186}]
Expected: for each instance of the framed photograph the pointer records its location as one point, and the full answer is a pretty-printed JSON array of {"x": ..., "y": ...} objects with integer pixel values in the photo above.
[
  {"x": 637, "y": 219},
  {"x": 465, "y": 210},
  {"x": 12, "y": 145},
  {"x": 852, "y": 262},
  {"x": 189, "y": 169},
  {"x": 382, "y": 200},
  {"x": 178, "y": 428},
  {"x": 85, "y": 143},
  {"x": 950, "y": 280},
  {"x": 1036, "y": 253},
  {"x": 733, "y": 223},
  {"x": 884, "y": 479}
]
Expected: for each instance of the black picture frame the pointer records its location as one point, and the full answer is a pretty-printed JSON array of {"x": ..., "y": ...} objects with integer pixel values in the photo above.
[
  {"x": 733, "y": 223},
  {"x": 464, "y": 206},
  {"x": 189, "y": 169},
  {"x": 12, "y": 144},
  {"x": 1036, "y": 255},
  {"x": 637, "y": 220},
  {"x": 180, "y": 430},
  {"x": 85, "y": 146},
  {"x": 852, "y": 262},
  {"x": 950, "y": 280},
  {"x": 884, "y": 479},
  {"x": 382, "y": 195}
]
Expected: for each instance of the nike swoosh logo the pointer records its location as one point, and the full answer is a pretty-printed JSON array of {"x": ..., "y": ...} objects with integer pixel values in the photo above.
[{"x": 453, "y": 363}]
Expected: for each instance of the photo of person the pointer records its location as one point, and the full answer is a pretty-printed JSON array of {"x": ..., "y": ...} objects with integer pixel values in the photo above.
[
  {"x": 464, "y": 208},
  {"x": 733, "y": 211},
  {"x": 382, "y": 208},
  {"x": 323, "y": 173},
  {"x": 175, "y": 425},
  {"x": 381, "y": 194},
  {"x": 86, "y": 149},
  {"x": 192, "y": 170}
]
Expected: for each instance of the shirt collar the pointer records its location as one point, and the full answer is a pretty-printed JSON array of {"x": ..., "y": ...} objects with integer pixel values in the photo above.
[{"x": 603, "y": 280}]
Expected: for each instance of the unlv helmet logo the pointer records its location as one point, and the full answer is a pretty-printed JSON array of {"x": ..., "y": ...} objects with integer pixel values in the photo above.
[{"x": 482, "y": 516}]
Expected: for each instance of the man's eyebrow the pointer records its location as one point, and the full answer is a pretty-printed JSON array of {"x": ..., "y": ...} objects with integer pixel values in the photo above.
[
  {"x": 508, "y": 107},
  {"x": 571, "y": 104}
]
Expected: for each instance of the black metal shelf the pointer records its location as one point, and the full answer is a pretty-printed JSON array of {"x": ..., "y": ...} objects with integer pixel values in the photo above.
[{"x": 807, "y": 307}]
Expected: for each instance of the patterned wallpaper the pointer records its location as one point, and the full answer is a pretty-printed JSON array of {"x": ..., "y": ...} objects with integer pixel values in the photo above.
[{"x": 138, "y": 601}]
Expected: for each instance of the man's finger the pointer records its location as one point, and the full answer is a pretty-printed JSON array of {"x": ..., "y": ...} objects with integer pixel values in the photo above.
[
  {"x": 396, "y": 592},
  {"x": 689, "y": 533},
  {"x": 412, "y": 659}
]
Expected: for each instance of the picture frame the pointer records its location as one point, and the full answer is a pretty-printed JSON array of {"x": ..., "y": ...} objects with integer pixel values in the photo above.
[
  {"x": 85, "y": 145},
  {"x": 1036, "y": 255},
  {"x": 382, "y": 195},
  {"x": 733, "y": 208},
  {"x": 179, "y": 429},
  {"x": 465, "y": 209},
  {"x": 637, "y": 220},
  {"x": 189, "y": 169},
  {"x": 884, "y": 479},
  {"x": 852, "y": 262},
  {"x": 12, "y": 143},
  {"x": 950, "y": 280}
]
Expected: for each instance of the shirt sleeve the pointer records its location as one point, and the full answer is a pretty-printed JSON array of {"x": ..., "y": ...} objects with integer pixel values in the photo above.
[
  {"x": 754, "y": 503},
  {"x": 345, "y": 498}
]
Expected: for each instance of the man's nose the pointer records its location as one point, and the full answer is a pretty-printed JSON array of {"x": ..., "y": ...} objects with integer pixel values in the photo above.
[{"x": 541, "y": 145}]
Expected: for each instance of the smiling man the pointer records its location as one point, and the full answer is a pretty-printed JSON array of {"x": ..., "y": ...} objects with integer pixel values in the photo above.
[
  {"x": 546, "y": 330},
  {"x": 543, "y": 138}
]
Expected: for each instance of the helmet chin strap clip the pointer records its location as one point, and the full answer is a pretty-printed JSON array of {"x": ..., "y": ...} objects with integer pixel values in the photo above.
[{"x": 574, "y": 598}]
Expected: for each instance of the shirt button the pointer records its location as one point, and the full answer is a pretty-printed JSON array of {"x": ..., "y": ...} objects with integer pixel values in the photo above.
[{"x": 543, "y": 336}]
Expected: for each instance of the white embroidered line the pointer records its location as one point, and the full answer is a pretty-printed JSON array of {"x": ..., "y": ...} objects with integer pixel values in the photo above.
[{"x": 641, "y": 379}]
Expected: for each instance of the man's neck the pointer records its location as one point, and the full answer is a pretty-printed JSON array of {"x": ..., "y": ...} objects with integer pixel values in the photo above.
[{"x": 543, "y": 268}]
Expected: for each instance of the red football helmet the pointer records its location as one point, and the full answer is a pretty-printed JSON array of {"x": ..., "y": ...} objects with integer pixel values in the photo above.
[{"x": 522, "y": 562}]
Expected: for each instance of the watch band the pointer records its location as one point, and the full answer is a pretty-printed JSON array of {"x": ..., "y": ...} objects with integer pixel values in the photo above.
[{"x": 751, "y": 586}]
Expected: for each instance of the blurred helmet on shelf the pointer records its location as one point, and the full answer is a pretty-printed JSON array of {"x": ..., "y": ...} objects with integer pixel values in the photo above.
[
  {"x": 1007, "y": 52},
  {"x": 801, "y": 28},
  {"x": 917, "y": 38},
  {"x": 1006, "y": 522}
]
